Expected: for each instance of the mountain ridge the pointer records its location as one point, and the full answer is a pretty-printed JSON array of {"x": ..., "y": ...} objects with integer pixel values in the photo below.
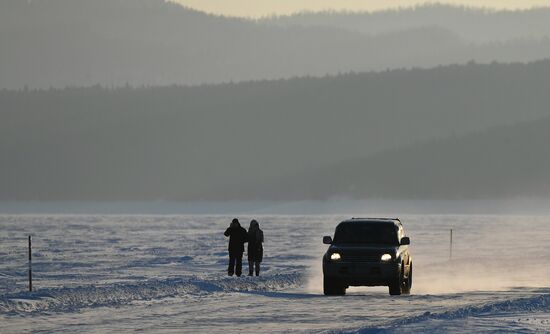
[
  {"x": 60, "y": 43},
  {"x": 471, "y": 23}
]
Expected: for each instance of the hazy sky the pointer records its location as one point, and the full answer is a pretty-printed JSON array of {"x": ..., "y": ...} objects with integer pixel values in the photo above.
[{"x": 265, "y": 7}]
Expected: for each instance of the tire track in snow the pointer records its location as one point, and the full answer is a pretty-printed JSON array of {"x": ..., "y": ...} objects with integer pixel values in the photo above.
[{"x": 539, "y": 303}]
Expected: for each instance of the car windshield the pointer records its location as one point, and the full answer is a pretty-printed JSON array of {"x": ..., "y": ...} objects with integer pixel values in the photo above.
[{"x": 366, "y": 233}]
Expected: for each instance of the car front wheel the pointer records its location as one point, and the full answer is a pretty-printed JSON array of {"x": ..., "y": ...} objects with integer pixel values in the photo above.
[
  {"x": 333, "y": 287},
  {"x": 395, "y": 287}
]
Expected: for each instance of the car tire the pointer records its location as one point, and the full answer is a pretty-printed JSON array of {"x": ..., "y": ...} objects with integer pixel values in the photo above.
[
  {"x": 342, "y": 290},
  {"x": 396, "y": 285},
  {"x": 332, "y": 287},
  {"x": 407, "y": 283}
]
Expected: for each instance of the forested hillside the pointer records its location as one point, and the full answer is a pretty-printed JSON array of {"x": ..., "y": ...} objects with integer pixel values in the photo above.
[
  {"x": 215, "y": 142},
  {"x": 503, "y": 162}
]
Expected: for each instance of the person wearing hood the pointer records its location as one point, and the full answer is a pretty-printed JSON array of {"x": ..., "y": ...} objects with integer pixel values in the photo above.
[
  {"x": 255, "y": 247},
  {"x": 237, "y": 237}
]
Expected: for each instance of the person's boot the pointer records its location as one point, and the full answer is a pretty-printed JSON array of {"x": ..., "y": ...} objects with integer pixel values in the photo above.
[{"x": 257, "y": 269}]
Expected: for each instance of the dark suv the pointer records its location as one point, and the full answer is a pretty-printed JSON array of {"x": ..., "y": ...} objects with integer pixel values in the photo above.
[{"x": 367, "y": 252}]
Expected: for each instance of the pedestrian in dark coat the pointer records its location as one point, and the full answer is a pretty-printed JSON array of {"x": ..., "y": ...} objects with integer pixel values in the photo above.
[
  {"x": 237, "y": 237},
  {"x": 255, "y": 247}
]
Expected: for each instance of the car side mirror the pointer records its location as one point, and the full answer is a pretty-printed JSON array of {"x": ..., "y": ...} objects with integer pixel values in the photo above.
[
  {"x": 327, "y": 240},
  {"x": 405, "y": 241}
]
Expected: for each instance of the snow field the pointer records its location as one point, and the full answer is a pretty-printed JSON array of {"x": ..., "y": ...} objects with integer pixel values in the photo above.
[{"x": 97, "y": 273}]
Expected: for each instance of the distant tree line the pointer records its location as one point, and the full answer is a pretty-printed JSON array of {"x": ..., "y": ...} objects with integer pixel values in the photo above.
[{"x": 362, "y": 134}]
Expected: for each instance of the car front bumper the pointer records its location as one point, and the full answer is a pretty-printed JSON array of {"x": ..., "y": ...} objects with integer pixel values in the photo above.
[{"x": 362, "y": 273}]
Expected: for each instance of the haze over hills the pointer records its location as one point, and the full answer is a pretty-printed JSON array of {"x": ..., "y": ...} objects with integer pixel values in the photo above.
[
  {"x": 470, "y": 24},
  {"x": 59, "y": 43},
  {"x": 238, "y": 141},
  {"x": 502, "y": 162}
]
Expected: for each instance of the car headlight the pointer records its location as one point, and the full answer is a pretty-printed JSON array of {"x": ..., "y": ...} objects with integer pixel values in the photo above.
[
  {"x": 385, "y": 257},
  {"x": 335, "y": 256}
]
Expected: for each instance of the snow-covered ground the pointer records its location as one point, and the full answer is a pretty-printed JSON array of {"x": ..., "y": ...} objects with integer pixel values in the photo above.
[{"x": 167, "y": 273}]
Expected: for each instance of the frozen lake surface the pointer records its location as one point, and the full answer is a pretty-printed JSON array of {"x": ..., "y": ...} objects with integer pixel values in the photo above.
[{"x": 138, "y": 273}]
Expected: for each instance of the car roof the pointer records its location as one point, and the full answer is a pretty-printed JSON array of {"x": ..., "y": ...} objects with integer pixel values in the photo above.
[{"x": 395, "y": 221}]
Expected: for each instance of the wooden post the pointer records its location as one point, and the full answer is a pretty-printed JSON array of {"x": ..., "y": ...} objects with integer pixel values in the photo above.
[
  {"x": 451, "y": 246},
  {"x": 30, "y": 263}
]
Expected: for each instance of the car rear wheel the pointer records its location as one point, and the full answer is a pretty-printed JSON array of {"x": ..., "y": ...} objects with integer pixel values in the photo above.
[
  {"x": 396, "y": 285},
  {"x": 333, "y": 287},
  {"x": 407, "y": 283}
]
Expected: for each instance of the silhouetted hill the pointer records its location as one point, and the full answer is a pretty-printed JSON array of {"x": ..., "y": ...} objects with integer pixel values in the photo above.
[
  {"x": 471, "y": 24},
  {"x": 62, "y": 43},
  {"x": 503, "y": 162},
  {"x": 238, "y": 141}
]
